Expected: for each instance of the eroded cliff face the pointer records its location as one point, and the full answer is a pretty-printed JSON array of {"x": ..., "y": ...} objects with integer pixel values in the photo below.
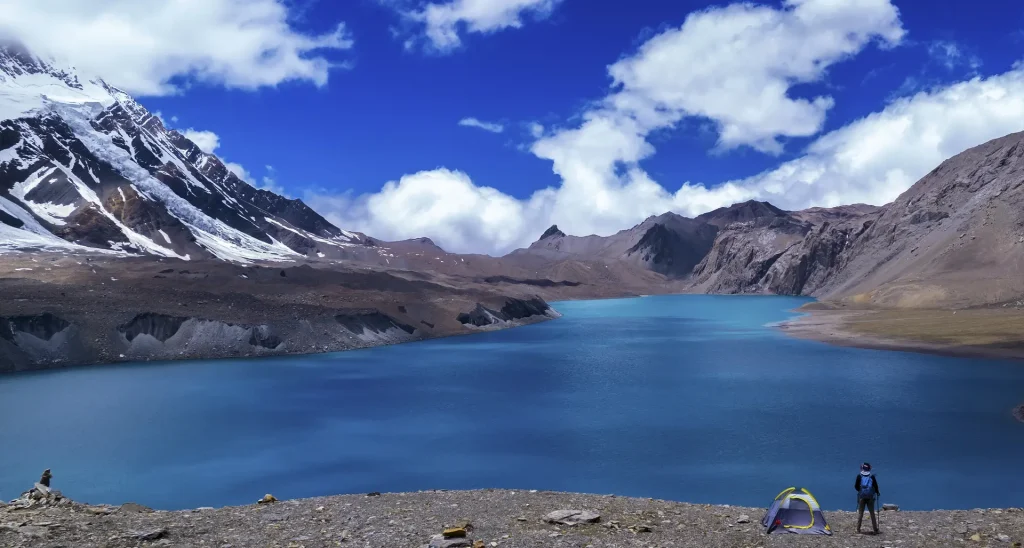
[
  {"x": 954, "y": 239},
  {"x": 104, "y": 310},
  {"x": 513, "y": 311},
  {"x": 746, "y": 251},
  {"x": 36, "y": 339}
]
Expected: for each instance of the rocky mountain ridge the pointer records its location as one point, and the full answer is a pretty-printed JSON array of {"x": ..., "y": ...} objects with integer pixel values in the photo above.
[
  {"x": 84, "y": 166},
  {"x": 954, "y": 239}
]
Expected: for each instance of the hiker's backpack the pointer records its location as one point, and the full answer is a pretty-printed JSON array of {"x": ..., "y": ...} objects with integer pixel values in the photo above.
[{"x": 867, "y": 487}]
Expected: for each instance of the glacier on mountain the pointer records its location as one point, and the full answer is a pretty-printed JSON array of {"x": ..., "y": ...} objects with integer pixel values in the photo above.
[{"x": 84, "y": 166}]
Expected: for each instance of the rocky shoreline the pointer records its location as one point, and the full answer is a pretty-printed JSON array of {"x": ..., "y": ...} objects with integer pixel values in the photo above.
[
  {"x": 843, "y": 328},
  {"x": 87, "y": 310},
  {"x": 472, "y": 519}
]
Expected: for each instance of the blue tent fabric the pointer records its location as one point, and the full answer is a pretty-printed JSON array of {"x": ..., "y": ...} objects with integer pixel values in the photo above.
[{"x": 795, "y": 511}]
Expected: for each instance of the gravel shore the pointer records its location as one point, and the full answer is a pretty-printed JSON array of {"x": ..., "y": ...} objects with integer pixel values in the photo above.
[{"x": 498, "y": 517}]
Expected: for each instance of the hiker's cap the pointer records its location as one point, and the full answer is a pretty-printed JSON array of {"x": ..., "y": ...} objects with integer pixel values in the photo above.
[{"x": 865, "y": 467}]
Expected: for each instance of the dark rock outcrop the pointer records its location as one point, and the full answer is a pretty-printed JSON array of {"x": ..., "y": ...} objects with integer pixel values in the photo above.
[
  {"x": 371, "y": 321},
  {"x": 10, "y": 220},
  {"x": 745, "y": 251},
  {"x": 674, "y": 250},
  {"x": 168, "y": 336},
  {"x": 551, "y": 232},
  {"x": 511, "y": 311},
  {"x": 42, "y": 327},
  {"x": 533, "y": 282},
  {"x": 32, "y": 339},
  {"x": 159, "y": 326}
]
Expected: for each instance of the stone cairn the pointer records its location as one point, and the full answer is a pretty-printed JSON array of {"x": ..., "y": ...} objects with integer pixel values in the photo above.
[{"x": 40, "y": 495}]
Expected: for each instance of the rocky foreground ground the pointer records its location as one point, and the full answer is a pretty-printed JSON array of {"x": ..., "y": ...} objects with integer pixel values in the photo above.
[{"x": 492, "y": 518}]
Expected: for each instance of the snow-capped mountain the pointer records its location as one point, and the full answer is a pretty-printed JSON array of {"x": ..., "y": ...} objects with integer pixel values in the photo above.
[{"x": 82, "y": 164}]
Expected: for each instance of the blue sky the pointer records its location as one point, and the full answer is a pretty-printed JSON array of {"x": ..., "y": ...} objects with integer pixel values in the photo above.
[
  {"x": 396, "y": 112},
  {"x": 808, "y": 102}
]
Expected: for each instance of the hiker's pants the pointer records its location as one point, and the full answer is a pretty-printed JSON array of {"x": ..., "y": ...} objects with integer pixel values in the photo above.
[{"x": 870, "y": 504}]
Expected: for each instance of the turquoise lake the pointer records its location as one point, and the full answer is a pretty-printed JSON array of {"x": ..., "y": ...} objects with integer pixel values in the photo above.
[{"x": 689, "y": 398}]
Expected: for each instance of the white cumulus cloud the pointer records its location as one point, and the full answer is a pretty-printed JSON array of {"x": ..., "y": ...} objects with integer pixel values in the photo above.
[
  {"x": 871, "y": 160},
  {"x": 240, "y": 172},
  {"x": 442, "y": 23},
  {"x": 207, "y": 141},
  {"x": 486, "y": 126},
  {"x": 147, "y": 46},
  {"x": 736, "y": 66}
]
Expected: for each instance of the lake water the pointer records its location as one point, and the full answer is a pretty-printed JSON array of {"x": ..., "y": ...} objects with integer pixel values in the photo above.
[{"x": 687, "y": 398}]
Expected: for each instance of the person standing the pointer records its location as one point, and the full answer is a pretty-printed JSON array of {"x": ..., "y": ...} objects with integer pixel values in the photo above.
[{"x": 866, "y": 485}]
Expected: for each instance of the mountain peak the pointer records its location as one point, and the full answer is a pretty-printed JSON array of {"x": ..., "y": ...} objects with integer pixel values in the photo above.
[
  {"x": 552, "y": 232},
  {"x": 741, "y": 212},
  {"x": 84, "y": 166}
]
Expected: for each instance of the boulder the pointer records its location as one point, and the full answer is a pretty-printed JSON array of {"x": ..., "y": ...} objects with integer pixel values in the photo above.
[
  {"x": 455, "y": 532},
  {"x": 572, "y": 517},
  {"x": 150, "y": 535},
  {"x": 438, "y": 541},
  {"x": 267, "y": 499},
  {"x": 133, "y": 508},
  {"x": 891, "y": 507}
]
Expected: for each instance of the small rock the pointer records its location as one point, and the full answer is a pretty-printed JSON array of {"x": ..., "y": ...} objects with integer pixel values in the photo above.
[
  {"x": 133, "y": 508},
  {"x": 891, "y": 507},
  {"x": 450, "y": 542},
  {"x": 743, "y": 519},
  {"x": 976, "y": 537},
  {"x": 267, "y": 499},
  {"x": 520, "y": 519},
  {"x": 1003, "y": 538},
  {"x": 961, "y": 529},
  {"x": 32, "y": 531},
  {"x": 373, "y": 494},
  {"x": 572, "y": 517},
  {"x": 153, "y": 534},
  {"x": 454, "y": 532},
  {"x": 640, "y": 528}
]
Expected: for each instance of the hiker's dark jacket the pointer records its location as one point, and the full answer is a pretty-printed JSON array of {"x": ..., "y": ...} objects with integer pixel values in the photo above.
[{"x": 856, "y": 483}]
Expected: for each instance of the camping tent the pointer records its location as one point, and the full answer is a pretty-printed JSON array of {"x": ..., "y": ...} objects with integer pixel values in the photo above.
[{"x": 795, "y": 511}]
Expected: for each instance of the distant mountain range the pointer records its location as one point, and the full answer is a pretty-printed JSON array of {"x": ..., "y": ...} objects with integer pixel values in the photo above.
[
  {"x": 84, "y": 167},
  {"x": 954, "y": 239}
]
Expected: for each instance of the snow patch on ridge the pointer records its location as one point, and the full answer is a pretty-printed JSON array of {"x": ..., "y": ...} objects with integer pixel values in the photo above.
[{"x": 220, "y": 239}]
